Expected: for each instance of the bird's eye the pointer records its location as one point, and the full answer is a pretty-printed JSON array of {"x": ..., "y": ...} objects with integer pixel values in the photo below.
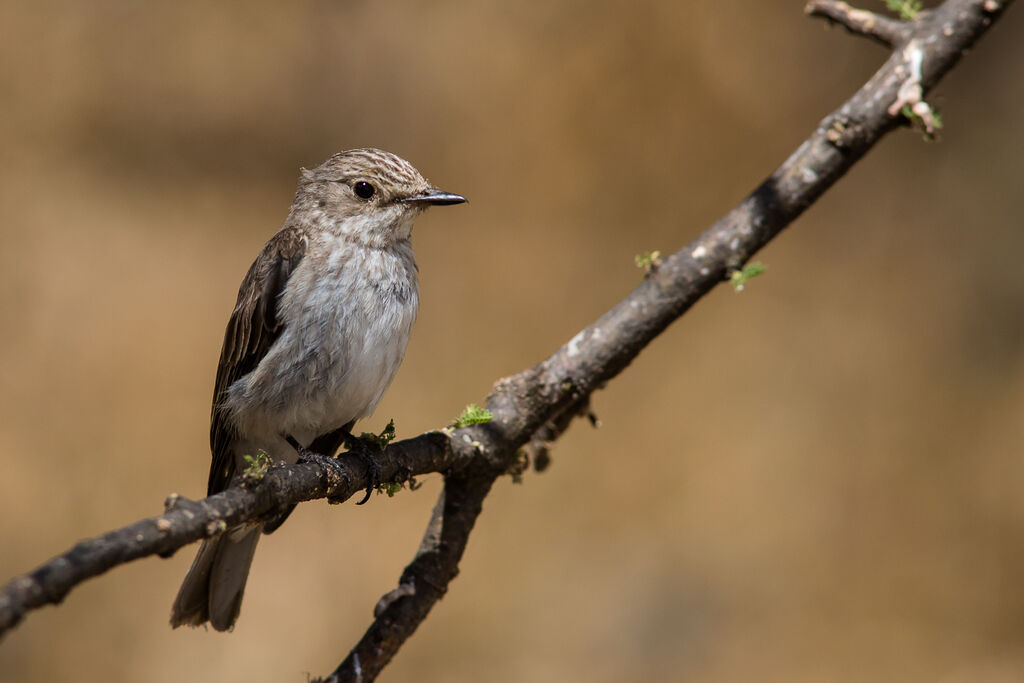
[{"x": 363, "y": 189}]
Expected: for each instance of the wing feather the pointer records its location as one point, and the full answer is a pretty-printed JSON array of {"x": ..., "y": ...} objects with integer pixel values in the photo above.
[{"x": 251, "y": 331}]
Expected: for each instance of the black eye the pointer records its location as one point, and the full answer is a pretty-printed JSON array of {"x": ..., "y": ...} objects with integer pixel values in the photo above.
[{"x": 363, "y": 189}]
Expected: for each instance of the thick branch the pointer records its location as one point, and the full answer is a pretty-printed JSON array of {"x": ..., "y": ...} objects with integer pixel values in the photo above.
[
  {"x": 599, "y": 352},
  {"x": 525, "y": 403},
  {"x": 186, "y": 521}
]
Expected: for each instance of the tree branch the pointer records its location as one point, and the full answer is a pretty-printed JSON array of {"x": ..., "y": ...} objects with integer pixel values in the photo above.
[
  {"x": 424, "y": 581},
  {"x": 539, "y": 402},
  {"x": 185, "y": 521},
  {"x": 888, "y": 32}
]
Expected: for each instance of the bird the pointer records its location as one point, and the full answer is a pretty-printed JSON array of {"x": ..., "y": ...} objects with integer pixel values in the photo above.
[{"x": 318, "y": 331}]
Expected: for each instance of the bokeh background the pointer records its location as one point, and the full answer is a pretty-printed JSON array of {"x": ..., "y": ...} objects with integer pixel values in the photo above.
[{"x": 817, "y": 479}]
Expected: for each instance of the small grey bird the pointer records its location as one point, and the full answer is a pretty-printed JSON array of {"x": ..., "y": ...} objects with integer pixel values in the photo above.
[{"x": 318, "y": 332}]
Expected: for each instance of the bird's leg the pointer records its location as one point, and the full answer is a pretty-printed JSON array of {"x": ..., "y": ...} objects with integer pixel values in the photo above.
[
  {"x": 328, "y": 463},
  {"x": 365, "y": 449}
]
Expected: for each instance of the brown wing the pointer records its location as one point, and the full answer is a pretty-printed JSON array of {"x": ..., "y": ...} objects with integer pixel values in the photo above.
[{"x": 251, "y": 331}]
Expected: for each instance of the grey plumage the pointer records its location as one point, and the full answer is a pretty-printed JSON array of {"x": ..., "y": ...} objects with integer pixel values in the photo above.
[{"x": 317, "y": 334}]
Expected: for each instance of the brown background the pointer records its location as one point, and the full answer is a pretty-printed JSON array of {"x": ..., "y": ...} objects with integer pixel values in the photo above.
[{"x": 817, "y": 479}]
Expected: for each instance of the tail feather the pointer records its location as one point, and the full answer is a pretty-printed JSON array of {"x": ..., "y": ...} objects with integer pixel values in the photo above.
[{"x": 213, "y": 588}]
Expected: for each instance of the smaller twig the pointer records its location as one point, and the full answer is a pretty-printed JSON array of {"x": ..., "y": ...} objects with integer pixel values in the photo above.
[
  {"x": 888, "y": 32},
  {"x": 431, "y": 543},
  {"x": 425, "y": 580},
  {"x": 538, "y": 447}
]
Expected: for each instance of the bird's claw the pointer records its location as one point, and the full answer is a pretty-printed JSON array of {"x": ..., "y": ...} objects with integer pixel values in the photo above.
[
  {"x": 365, "y": 450},
  {"x": 373, "y": 472},
  {"x": 362, "y": 449},
  {"x": 328, "y": 464}
]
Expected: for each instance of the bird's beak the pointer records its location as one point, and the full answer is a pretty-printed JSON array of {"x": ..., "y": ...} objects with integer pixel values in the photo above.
[{"x": 434, "y": 197}]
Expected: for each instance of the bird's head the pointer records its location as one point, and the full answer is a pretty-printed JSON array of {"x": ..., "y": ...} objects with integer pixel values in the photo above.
[{"x": 368, "y": 195}]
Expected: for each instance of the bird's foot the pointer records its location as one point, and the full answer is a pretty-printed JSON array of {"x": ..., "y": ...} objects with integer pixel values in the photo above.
[
  {"x": 366, "y": 449},
  {"x": 327, "y": 463}
]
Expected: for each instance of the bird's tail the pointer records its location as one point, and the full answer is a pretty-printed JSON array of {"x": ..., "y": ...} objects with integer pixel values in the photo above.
[{"x": 213, "y": 588}]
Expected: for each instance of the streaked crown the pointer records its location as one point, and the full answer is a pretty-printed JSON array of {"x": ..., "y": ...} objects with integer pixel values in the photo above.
[{"x": 372, "y": 177}]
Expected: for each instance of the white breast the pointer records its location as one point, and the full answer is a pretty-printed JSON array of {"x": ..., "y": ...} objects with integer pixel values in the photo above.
[{"x": 348, "y": 312}]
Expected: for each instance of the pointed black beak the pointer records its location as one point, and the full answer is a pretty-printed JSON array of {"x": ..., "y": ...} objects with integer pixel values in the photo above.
[{"x": 434, "y": 197}]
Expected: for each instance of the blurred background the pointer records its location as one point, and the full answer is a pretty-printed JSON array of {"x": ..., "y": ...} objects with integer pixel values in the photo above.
[{"x": 816, "y": 479}]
